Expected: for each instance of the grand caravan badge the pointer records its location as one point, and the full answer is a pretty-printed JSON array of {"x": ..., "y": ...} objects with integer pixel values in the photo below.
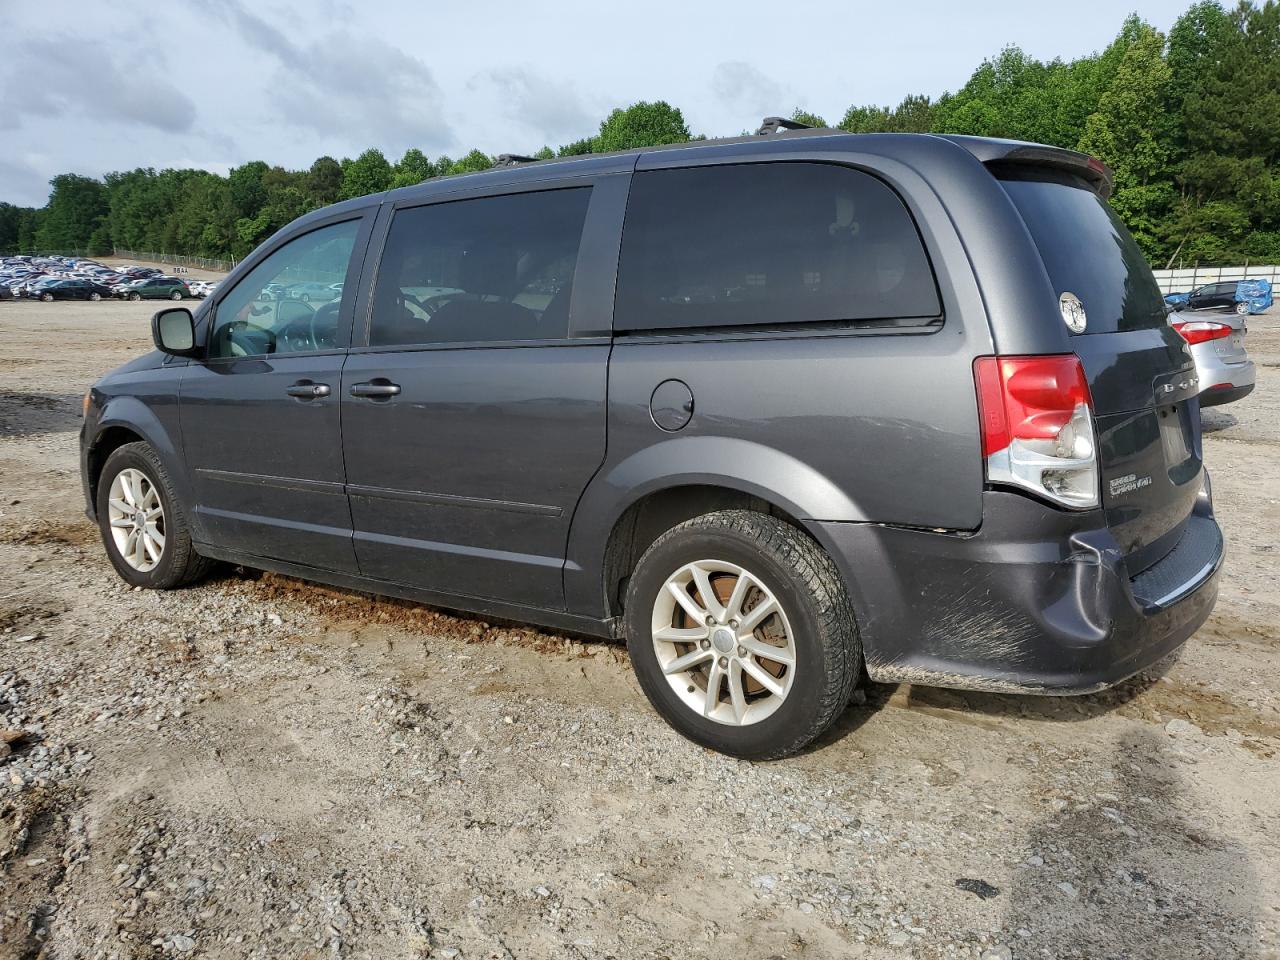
[{"x": 1128, "y": 483}]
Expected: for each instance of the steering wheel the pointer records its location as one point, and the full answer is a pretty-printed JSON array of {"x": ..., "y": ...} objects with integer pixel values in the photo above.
[
  {"x": 323, "y": 326},
  {"x": 245, "y": 339}
]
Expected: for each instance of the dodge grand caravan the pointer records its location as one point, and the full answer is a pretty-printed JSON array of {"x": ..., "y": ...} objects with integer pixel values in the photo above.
[{"x": 782, "y": 411}]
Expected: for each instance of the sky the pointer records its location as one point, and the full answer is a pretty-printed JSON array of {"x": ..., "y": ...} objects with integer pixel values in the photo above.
[{"x": 216, "y": 83}]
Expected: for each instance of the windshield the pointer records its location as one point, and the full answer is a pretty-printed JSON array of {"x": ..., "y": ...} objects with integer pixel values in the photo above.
[{"x": 1087, "y": 251}]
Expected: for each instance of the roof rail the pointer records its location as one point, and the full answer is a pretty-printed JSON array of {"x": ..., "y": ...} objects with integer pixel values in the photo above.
[
  {"x": 772, "y": 125},
  {"x": 512, "y": 159}
]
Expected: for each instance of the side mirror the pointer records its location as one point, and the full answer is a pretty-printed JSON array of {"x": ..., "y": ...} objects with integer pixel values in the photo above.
[{"x": 174, "y": 332}]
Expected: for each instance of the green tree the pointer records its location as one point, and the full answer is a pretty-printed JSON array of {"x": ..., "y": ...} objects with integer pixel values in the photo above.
[
  {"x": 76, "y": 208},
  {"x": 641, "y": 125},
  {"x": 1132, "y": 131},
  {"x": 577, "y": 149},
  {"x": 804, "y": 116},
  {"x": 324, "y": 181},
  {"x": 368, "y": 173},
  {"x": 473, "y": 162},
  {"x": 413, "y": 167}
]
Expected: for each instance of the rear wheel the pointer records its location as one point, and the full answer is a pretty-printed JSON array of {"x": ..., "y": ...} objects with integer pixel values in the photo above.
[
  {"x": 176, "y": 295},
  {"x": 1242, "y": 309},
  {"x": 47, "y": 297},
  {"x": 741, "y": 634},
  {"x": 95, "y": 296},
  {"x": 144, "y": 526}
]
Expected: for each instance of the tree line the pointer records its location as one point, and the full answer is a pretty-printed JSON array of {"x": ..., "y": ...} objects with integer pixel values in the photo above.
[{"x": 1189, "y": 122}]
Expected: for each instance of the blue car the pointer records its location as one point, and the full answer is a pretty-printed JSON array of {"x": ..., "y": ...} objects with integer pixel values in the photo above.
[{"x": 1239, "y": 296}]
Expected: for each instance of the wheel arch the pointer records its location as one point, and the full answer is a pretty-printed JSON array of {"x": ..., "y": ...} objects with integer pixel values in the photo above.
[
  {"x": 629, "y": 506},
  {"x": 126, "y": 419}
]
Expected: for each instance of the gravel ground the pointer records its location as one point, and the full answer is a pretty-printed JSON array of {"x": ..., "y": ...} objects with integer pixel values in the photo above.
[{"x": 259, "y": 767}]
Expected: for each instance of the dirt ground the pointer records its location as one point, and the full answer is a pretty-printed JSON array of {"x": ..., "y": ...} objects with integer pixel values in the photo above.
[{"x": 258, "y": 767}]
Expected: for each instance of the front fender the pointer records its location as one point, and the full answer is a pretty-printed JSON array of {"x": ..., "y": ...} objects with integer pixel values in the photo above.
[
  {"x": 155, "y": 421},
  {"x": 715, "y": 461}
]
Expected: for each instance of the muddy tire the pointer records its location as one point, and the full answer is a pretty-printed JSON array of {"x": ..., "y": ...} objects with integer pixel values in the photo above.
[
  {"x": 741, "y": 634},
  {"x": 143, "y": 524}
]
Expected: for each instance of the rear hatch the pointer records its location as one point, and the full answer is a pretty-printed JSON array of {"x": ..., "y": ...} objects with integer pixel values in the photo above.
[{"x": 1140, "y": 372}]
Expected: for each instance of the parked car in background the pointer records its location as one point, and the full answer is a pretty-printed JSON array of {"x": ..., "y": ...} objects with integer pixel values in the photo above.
[
  {"x": 1223, "y": 367},
  {"x": 153, "y": 288},
  {"x": 310, "y": 290},
  {"x": 1241, "y": 297},
  {"x": 72, "y": 289}
]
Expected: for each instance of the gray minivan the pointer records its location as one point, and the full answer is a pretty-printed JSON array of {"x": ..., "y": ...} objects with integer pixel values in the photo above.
[{"x": 784, "y": 411}]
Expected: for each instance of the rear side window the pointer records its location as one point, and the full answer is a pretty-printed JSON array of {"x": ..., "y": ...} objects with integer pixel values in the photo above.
[
  {"x": 1087, "y": 251},
  {"x": 489, "y": 269},
  {"x": 770, "y": 244}
]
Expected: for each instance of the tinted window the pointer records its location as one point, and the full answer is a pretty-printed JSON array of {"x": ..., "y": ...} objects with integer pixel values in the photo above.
[
  {"x": 495, "y": 268},
  {"x": 260, "y": 316},
  {"x": 768, "y": 244},
  {"x": 1087, "y": 251}
]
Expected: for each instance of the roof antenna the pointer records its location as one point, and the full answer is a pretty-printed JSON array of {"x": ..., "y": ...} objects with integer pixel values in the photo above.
[
  {"x": 512, "y": 160},
  {"x": 772, "y": 125}
]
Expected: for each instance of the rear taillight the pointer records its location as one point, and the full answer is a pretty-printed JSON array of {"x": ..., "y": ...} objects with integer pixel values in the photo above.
[
  {"x": 1037, "y": 426},
  {"x": 1198, "y": 331}
]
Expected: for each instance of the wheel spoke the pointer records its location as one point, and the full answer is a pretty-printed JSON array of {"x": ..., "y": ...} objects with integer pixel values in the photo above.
[
  {"x": 708, "y": 594},
  {"x": 687, "y": 661},
  {"x": 756, "y": 615},
  {"x": 736, "y": 695},
  {"x": 767, "y": 650},
  {"x": 154, "y": 533},
  {"x": 713, "y": 689},
  {"x": 126, "y": 489},
  {"x": 121, "y": 505},
  {"x": 690, "y": 606},
  {"x": 762, "y": 677},
  {"x": 153, "y": 551},
  {"x": 122, "y": 522},
  {"x": 130, "y": 543},
  {"x": 733, "y": 608},
  {"x": 140, "y": 551},
  {"x": 680, "y": 635}
]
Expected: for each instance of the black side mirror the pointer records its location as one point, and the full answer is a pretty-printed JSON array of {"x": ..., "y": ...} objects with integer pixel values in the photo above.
[{"x": 174, "y": 332}]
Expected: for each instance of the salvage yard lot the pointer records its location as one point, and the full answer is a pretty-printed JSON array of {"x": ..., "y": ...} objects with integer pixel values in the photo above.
[{"x": 258, "y": 767}]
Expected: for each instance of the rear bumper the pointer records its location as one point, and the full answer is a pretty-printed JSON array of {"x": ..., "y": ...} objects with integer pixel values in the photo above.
[
  {"x": 1221, "y": 382},
  {"x": 1037, "y": 601}
]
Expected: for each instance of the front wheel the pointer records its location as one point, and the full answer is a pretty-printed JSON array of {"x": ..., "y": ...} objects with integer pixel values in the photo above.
[
  {"x": 47, "y": 297},
  {"x": 741, "y": 634},
  {"x": 95, "y": 296},
  {"x": 135, "y": 296},
  {"x": 143, "y": 524}
]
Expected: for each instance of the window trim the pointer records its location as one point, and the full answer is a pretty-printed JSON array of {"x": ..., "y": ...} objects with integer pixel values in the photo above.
[
  {"x": 364, "y": 217},
  {"x": 601, "y": 230},
  {"x": 809, "y": 328}
]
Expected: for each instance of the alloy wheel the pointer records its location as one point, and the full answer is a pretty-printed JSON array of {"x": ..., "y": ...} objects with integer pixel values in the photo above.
[
  {"x": 723, "y": 642},
  {"x": 136, "y": 517}
]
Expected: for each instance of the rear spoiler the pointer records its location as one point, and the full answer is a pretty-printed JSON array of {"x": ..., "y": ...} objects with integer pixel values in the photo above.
[{"x": 1017, "y": 154}]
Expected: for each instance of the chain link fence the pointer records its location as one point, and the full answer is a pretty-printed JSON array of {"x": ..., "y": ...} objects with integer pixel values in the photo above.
[{"x": 176, "y": 260}]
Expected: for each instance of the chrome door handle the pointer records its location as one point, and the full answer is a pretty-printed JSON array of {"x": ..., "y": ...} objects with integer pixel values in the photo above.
[
  {"x": 306, "y": 390},
  {"x": 379, "y": 389}
]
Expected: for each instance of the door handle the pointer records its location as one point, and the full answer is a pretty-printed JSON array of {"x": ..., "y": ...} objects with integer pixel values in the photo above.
[
  {"x": 306, "y": 390},
  {"x": 378, "y": 389}
]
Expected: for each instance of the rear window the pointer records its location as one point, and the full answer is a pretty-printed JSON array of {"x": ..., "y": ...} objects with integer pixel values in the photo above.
[
  {"x": 770, "y": 244},
  {"x": 1087, "y": 251}
]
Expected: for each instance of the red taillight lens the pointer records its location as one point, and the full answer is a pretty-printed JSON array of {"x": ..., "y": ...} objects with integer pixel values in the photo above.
[
  {"x": 1199, "y": 331},
  {"x": 1027, "y": 398}
]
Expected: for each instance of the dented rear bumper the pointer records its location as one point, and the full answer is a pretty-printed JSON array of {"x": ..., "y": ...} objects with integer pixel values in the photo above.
[{"x": 1037, "y": 601}]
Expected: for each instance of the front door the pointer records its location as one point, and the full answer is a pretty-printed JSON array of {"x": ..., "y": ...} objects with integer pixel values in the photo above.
[
  {"x": 474, "y": 414},
  {"x": 260, "y": 415}
]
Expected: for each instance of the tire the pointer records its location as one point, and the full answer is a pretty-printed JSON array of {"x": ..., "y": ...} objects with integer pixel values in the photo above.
[
  {"x": 95, "y": 296},
  {"x": 813, "y": 621},
  {"x": 135, "y": 297},
  {"x": 178, "y": 563},
  {"x": 47, "y": 297},
  {"x": 305, "y": 297},
  {"x": 176, "y": 295},
  {"x": 1242, "y": 309}
]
